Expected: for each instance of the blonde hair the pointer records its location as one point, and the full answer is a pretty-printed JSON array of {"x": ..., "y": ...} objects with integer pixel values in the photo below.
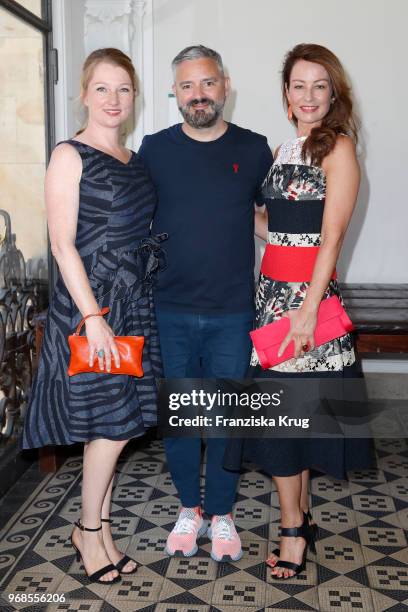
[{"x": 109, "y": 55}]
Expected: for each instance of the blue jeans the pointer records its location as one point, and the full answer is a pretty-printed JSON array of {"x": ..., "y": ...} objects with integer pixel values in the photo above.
[{"x": 203, "y": 346}]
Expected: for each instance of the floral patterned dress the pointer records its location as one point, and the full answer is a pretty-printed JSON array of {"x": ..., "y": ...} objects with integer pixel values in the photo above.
[{"x": 294, "y": 193}]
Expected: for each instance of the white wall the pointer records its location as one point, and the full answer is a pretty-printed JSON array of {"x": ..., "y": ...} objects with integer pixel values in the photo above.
[
  {"x": 80, "y": 27},
  {"x": 370, "y": 39},
  {"x": 68, "y": 39}
]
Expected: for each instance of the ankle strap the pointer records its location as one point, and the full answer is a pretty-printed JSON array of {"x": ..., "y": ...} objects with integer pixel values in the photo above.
[
  {"x": 293, "y": 532},
  {"x": 297, "y": 532},
  {"x": 106, "y": 520},
  {"x": 82, "y": 528}
]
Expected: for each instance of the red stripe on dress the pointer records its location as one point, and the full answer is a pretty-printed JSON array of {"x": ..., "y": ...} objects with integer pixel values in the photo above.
[{"x": 293, "y": 264}]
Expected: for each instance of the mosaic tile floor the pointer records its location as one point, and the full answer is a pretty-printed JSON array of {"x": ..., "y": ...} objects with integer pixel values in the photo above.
[{"x": 361, "y": 561}]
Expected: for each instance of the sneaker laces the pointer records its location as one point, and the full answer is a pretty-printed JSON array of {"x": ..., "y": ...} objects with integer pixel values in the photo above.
[
  {"x": 185, "y": 522},
  {"x": 223, "y": 527}
]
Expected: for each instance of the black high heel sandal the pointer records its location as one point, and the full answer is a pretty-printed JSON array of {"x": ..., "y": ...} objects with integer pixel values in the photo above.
[
  {"x": 306, "y": 532},
  {"x": 125, "y": 559},
  {"x": 95, "y": 577},
  {"x": 313, "y": 527}
]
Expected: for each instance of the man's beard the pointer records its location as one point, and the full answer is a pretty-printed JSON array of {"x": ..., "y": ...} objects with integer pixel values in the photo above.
[{"x": 202, "y": 118}]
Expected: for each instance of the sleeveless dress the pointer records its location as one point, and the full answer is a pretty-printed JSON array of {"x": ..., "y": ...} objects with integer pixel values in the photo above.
[
  {"x": 294, "y": 193},
  {"x": 121, "y": 259}
]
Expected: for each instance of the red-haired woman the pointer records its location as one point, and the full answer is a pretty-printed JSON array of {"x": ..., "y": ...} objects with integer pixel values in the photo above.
[{"x": 310, "y": 193}]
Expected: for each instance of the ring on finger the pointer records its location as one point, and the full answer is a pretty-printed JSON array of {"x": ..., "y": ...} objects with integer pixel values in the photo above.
[{"x": 101, "y": 353}]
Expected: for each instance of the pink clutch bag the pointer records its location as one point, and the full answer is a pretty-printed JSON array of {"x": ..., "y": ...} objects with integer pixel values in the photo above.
[{"x": 332, "y": 322}]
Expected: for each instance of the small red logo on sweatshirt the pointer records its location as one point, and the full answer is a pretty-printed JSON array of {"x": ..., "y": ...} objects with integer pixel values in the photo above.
[{"x": 235, "y": 168}]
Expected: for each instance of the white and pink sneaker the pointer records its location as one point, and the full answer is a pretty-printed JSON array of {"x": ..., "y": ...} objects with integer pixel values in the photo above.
[
  {"x": 226, "y": 543},
  {"x": 183, "y": 538}
]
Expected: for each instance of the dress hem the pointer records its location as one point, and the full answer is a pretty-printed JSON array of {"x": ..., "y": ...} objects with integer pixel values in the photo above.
[{"x": 91, "y": 439}]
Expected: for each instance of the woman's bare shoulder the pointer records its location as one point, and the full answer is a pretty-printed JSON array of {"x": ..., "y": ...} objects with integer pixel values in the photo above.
[
  {"x": 276, "y": 151},
  {"x": 66, "y": 159},
  {"x": 65, "y": 151},
  {"x": 345, "y": 145},
  {"x": 344, "y": 152}
]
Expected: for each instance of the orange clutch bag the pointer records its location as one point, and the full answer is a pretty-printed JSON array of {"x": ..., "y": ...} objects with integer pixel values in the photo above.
[{"x": 130, "y": 352}]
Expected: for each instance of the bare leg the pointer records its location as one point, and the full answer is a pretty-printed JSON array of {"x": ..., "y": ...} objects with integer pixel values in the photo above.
[
  {"x": 304, "y": 505},
  {"x": 114, "y": 554},
  {"x": 291, "y": 549},
  {"x": 100, "y": 457},
  {"x": 304, "y": 496}
]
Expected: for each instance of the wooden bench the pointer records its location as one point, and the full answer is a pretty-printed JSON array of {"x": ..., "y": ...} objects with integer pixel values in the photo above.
[{"x": 380, "y": 315}]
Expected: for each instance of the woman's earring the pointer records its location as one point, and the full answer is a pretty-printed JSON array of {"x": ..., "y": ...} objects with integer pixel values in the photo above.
[{"x": 290, "y": 113}]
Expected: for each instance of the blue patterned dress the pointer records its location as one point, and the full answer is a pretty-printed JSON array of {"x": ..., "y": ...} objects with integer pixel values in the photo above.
[{"x": 116, "y": 205}]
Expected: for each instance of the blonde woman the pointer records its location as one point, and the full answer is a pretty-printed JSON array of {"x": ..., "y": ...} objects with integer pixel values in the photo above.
[{"x": 99, "y": 206}]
